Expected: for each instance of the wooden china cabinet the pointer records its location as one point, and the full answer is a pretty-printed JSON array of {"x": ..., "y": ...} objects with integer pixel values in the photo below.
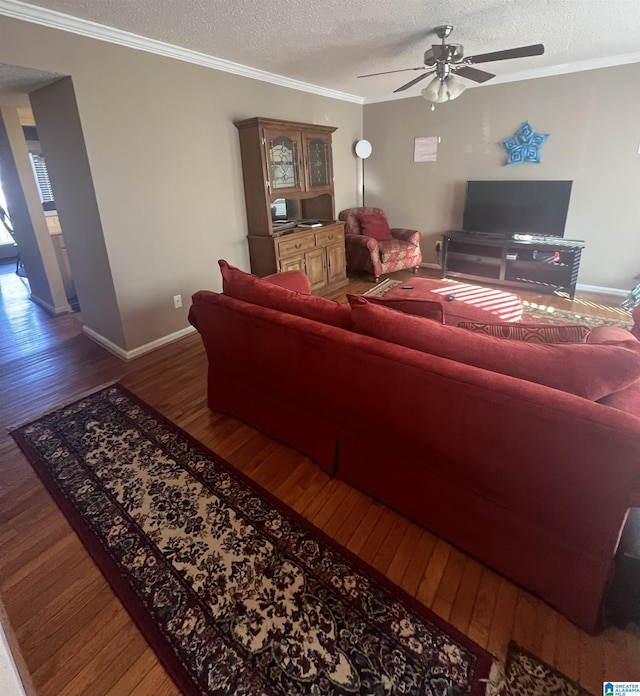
[{"x": 287, "y": 169}]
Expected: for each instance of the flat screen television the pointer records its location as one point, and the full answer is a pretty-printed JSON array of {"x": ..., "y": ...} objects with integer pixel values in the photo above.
[{"x": 505, "y": 208}]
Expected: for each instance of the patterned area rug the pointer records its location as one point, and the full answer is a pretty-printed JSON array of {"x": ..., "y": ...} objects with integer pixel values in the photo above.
[
  {"x": 236, "y": 593},
  {"x": 533, "y": 313},
  {"x": 382, "y": 287},
  {"x": 526, "y": 675}
]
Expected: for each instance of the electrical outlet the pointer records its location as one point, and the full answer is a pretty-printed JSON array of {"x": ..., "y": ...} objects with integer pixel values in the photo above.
[{"x": 177, "y": 301}]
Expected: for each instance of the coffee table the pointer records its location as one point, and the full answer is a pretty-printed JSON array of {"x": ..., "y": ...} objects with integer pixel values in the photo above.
[{"x": 469, "y": 303}]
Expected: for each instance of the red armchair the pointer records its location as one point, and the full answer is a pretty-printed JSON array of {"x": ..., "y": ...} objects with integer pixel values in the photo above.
[{"x": 378, "y": 257}]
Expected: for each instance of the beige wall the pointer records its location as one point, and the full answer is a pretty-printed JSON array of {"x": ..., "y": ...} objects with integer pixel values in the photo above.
[
  {"x": 593, "y": 119},
  {"x": 60, "y": 134},
  {"x": 27, "y": 216},
  {"x": 164, "y": 158}
]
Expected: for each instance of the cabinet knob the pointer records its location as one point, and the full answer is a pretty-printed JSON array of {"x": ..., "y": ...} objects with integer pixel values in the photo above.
[
  {"x": 297, "y": 246},
  {"x": 330, "y": 236}
]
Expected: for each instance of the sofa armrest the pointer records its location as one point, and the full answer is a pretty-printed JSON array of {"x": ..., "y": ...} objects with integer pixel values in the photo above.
[
  {"x": 290, "y": 280},
  {"x": 361, "y": 241},
  {"x": 192, "y": 318},
  {"x": 411, "y": 236}
]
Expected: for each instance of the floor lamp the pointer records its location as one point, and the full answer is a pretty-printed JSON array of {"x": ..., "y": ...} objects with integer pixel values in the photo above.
[{"x": 362, "y": 150}]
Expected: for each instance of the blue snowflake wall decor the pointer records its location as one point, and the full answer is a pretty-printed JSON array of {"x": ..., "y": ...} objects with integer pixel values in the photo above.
[{"x": 524, "y": 145}]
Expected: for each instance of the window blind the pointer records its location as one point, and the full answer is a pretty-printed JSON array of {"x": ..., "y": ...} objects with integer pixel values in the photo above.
[{"x": 42, "y": 177}]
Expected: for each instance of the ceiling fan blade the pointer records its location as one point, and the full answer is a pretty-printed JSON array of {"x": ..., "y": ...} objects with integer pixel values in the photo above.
[
  {"x": 387, "y": 72},
  {"x": 413, "y": 82},
  {"x": 522, "y": 52},
  {"x": 473, "y": 73}
]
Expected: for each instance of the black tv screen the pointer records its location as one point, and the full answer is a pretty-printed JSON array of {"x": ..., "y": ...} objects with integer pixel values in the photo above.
[{"x": 504, "y": 208}]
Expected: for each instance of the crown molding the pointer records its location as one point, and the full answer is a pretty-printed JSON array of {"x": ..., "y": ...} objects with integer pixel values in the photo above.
[
  {"x": 101, "y": 32},
  {"x": 84, "y": 27},
  {"x": 549, "y": 71}
]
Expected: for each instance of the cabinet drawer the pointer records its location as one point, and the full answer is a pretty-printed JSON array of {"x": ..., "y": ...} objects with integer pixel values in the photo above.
[
  {"x": 295, "y": 246},
  {"x": 330, "y": 236}
]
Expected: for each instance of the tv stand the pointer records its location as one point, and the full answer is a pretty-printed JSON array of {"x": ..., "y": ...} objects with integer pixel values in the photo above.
[{"x": 541, "y": 264}]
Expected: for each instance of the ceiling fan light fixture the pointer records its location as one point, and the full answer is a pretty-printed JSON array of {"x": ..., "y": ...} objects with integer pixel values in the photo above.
[{"x": 440, "y": 90}]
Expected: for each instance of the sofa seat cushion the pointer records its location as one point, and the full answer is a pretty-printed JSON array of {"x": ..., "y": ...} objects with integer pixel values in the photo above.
[
  {"x": 374, "y": 225},
  {"x": 394, "y": 250},
  {"x": 587, "y": 370},
  {"x": 250, "y": 288},
  {"x": 531, "y": 333}
]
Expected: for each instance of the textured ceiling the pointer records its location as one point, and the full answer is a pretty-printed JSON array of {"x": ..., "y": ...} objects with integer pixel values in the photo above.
[
  {"x": 16, "y": 81},
  {"x": 329, "y": 42}
]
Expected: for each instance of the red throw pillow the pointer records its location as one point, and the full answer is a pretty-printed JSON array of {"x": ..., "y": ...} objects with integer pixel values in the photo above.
[
  {"x": 531, "y": 333},
  {"x": 429, "y": 309},
  {"x": 374, "y": 225},
  {"x": 588, "y": 370},
  {"x": 250, "y": 288}
]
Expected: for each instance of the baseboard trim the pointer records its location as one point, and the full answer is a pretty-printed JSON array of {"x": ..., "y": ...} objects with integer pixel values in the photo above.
[
  {"x": 605, "y": 291},
  {"x": 437, "y": 266},
  {"x": 55, "y": 311},
  {"x": 140, "y": 350}
]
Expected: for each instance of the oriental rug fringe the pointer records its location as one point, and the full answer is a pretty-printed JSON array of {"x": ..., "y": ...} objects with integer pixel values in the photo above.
[{"x": 235, "y": 592}]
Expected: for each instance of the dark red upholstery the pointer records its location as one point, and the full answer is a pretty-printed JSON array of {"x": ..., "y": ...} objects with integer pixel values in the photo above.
[
  {"x": 250, "y": 288},
  {"x": 298, "y": 281},
  {"x": 420, "y": 308},
  {"x": 636, "y": 322},
  {"x": 532, "y": 481},
  {"x": 589, "y": 370},
  {"x": 470, "y": 303}
]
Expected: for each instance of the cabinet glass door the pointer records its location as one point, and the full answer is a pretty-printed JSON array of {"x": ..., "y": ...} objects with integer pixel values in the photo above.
[
  {"x": 284, "y": 161},
  {"x": 318, "y": 162}
]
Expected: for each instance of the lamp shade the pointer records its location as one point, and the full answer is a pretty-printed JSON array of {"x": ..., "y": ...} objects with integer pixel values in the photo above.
[
  {"x": 363, "y": 149},
  {"x": 444, "y": 89}
]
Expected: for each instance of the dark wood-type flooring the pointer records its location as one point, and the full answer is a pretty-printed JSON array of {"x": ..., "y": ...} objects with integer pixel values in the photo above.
[{"x": 74, "y": 635}]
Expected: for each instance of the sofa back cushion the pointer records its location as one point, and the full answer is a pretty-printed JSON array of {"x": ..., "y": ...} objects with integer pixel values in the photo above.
[
  {"x": 429, "y": 309},
  {"x": 531, "y": 333},
  {"x": 587, "y": 370},
  {"x": 250, "y": 288}
]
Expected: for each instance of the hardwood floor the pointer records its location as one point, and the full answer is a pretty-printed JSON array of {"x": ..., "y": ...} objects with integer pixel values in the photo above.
[{"x": 75, "y": 636}]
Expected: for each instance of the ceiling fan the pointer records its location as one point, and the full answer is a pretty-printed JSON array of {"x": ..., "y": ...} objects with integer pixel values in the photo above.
[{"x": 447, "y": 61}]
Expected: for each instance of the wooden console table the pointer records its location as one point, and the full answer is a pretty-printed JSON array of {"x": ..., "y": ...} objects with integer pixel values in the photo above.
[
  {"x": 541, "y": 264},
  {"x": 319, "y": 252}
]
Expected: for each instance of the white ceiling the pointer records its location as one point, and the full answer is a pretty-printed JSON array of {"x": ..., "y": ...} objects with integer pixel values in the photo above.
[{"x": 328, "y": 43}]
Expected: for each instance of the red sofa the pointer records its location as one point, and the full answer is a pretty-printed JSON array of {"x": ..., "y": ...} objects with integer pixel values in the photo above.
[{"x": 530, "y": 479}]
